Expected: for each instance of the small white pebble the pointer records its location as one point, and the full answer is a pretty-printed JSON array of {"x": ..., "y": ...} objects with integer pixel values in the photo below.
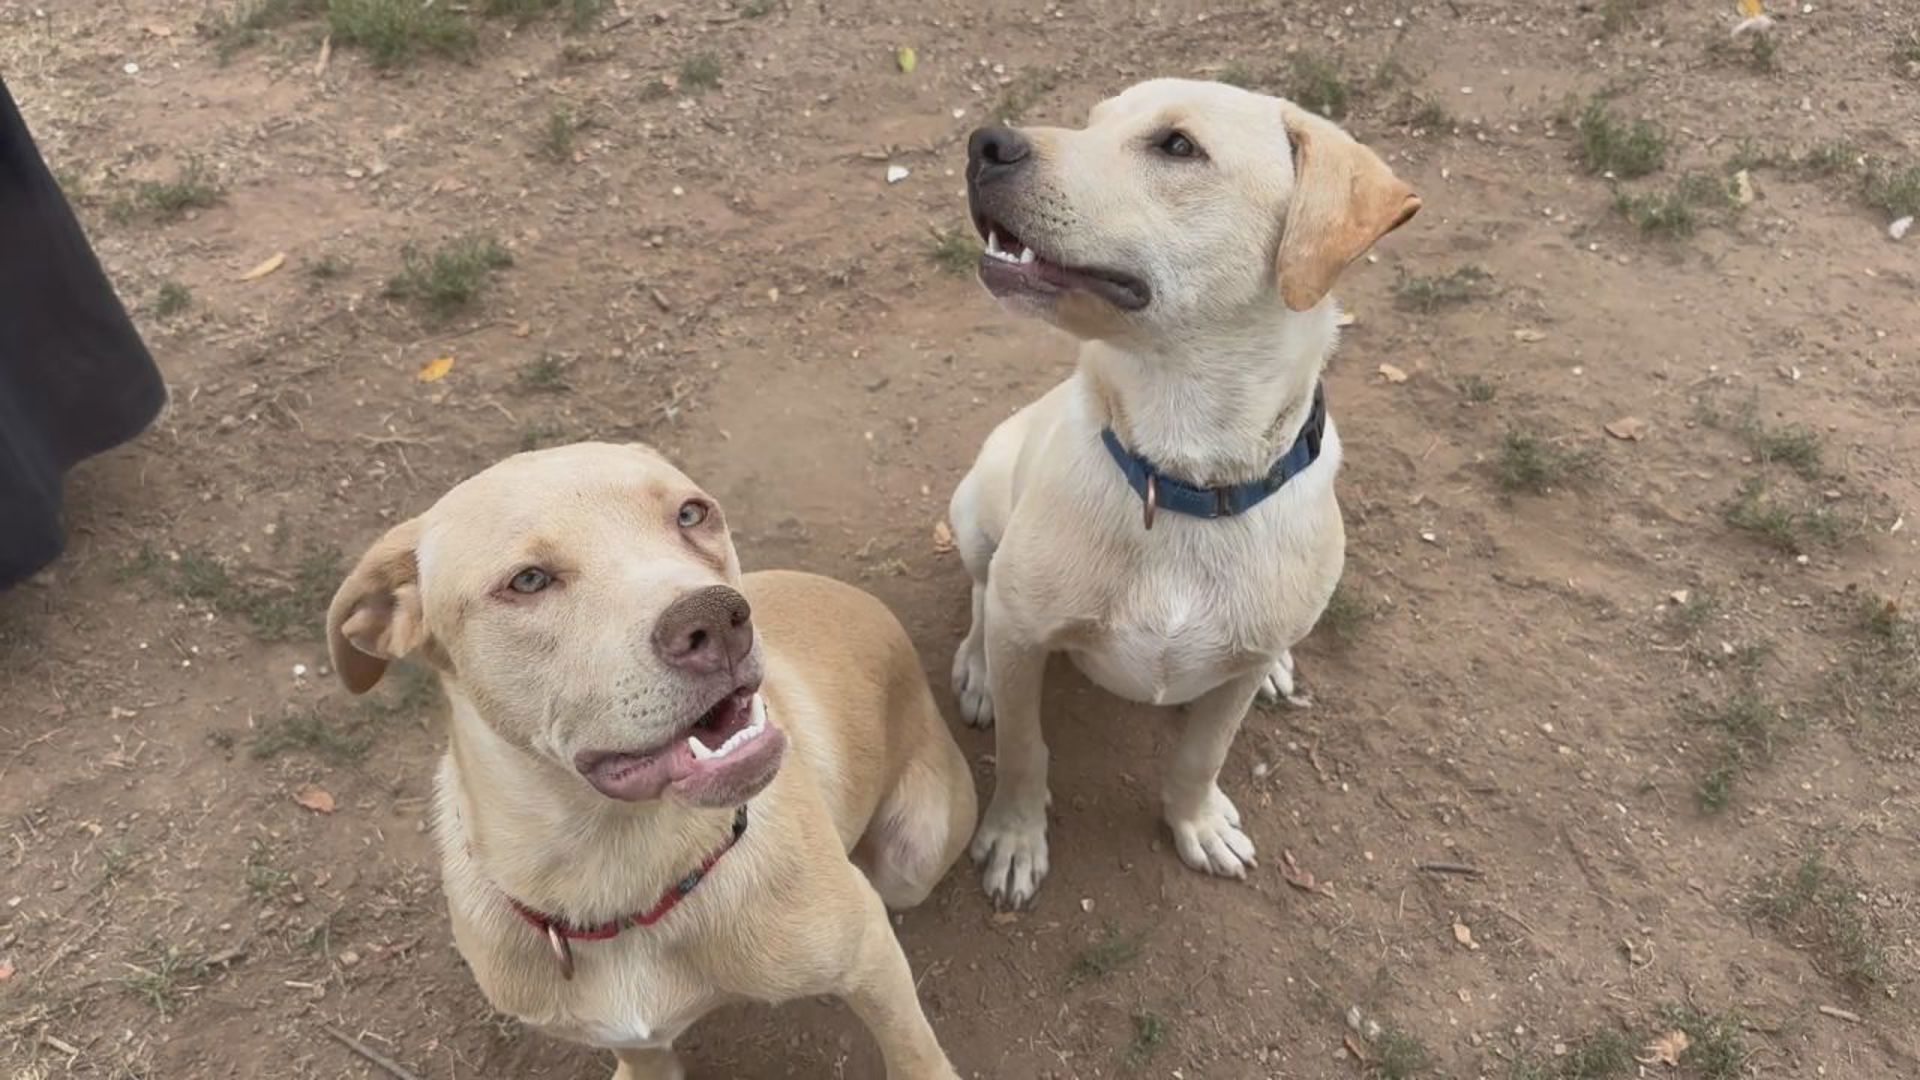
[
  {"x": 896, "y": 173},
  {"x": 299, "y": 671}
]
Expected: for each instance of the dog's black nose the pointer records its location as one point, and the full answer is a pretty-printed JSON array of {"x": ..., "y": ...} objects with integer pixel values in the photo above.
[
  {"x": 995, "y": 152},
  {"x": 705, "y": 631}
]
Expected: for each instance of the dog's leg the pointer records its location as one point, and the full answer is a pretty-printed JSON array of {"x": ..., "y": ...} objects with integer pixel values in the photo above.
[
  {"x": 881, "y": 991},
  {"x": 1012, "y": 841},
  {"x": 1279, "y": 684},
  {"x": 648, "y": 1065},
  {"x": 976, "y": 551},
  {"x": 1205, "y": 823}
]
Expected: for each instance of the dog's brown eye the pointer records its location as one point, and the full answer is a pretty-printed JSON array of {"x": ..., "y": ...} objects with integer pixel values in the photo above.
[
  {"x": 1177, "y": 144},
  {"x": 530, "y": 581},
  {"x": 692, "y": 512}
]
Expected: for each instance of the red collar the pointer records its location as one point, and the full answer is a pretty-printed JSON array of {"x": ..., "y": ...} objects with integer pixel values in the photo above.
[{"x": 560, "y": 935}]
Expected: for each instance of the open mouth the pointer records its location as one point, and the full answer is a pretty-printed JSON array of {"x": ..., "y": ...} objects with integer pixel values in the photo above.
[
  {"x": 725, "y": 756},
  {"x": 1011, "y": 267}
]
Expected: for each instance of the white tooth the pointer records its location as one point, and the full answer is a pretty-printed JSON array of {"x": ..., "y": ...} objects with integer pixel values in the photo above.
[
  {"x": 1027, "y": 255},
  {"x": 700, "y": 751},
  {"x": 993, "y": 242}
]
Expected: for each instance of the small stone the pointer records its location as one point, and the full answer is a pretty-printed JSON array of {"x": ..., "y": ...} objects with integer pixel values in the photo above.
[{"x": 896, "y": 173}]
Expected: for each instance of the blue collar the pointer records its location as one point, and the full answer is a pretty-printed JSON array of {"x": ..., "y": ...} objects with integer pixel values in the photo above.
[{"x": 1159, "y": 491}]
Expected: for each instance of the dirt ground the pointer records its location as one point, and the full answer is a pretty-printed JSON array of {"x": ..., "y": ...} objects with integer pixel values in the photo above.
[{"x": 1657, "y": 692}]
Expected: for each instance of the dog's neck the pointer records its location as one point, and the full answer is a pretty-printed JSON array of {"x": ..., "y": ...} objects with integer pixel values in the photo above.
[
  {"x": 1218, "y": 408},
  {"x": 540, "y": 835}
]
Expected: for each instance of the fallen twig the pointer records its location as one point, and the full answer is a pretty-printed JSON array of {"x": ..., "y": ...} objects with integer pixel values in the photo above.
[
  {"x": 379, "y": 1060},
  {"x": 1449, "y": 868},
  {"x": 1841, "y": 1014}
]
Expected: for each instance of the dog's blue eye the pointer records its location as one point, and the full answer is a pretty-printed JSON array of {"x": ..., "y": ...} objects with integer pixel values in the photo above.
[
  {"x": 530, "y": 581},
  {"x": 692, "y": 512},
  {"x": 1177, "y": 144}
]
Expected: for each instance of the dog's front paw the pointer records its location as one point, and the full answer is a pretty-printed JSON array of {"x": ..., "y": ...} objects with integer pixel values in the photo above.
[
  {"x": 970, "y": 684},
  {"x": 1012, "y": 846},
  {"x": 1210, "y": 841},
  {"x": 1279, "y": 685}
]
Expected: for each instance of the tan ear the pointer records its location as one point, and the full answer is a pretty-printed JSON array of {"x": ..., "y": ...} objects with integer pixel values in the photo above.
[
  {"x": 1344, "y": 199},
  {"x": 376, "y": 617}
]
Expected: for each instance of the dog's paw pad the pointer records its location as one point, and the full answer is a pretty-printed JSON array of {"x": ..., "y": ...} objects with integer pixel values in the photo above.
[
  {"x": 970, "y": 686},
  {"x": 1279, "y": 685},
  {"x": 1211, "y": 841},
  {"x": 1013, "y": 858}
]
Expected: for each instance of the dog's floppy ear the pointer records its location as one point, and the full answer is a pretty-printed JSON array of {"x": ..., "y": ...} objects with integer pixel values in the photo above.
[
  {"x": 376, "y": 617},
  {"x": 1344, "y": 199}
]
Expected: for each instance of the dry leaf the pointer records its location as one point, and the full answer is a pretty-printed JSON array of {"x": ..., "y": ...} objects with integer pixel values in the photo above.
[
  {"x": 326, "y": 57},
  {"x": 1345, "y": 318},
  {"x": 315, "y": 799},
  {"x": 1528, "y": 337},
  {"x": 522, "y": 329},
  {"x": 1358, "y": 1051},
  {"x": 274, "y": 262},
  {"x": 1752, "y": 9},
  {"x": 1629, "y": 428},
  {"x": 1295, "y": 876},
  {"x": 1666, "y": 1050},
  {"x": 6, "y": 970},
  {"x": 1463, "y": 934},
  {"x": 1392, "y": 374},
  {"x": 436, "y": 369},
  {"x": 942, "y": 538},
  {"x": 1680, "y": 596},
  {"x": 1004, "y": 918},
  {"x": 160, "y": 30},
  {"x": 906, "y": 58}
]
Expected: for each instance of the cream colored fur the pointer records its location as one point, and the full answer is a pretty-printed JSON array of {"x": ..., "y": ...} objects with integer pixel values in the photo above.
[
  {"x": 871, "y": 804},
  {"x": 1211, "y": 381}
]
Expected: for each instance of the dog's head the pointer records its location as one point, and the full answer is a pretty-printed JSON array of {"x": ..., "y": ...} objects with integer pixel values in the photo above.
[
  {"x": 1179, "y": 203},
  {"x": 584, "y": 600}
]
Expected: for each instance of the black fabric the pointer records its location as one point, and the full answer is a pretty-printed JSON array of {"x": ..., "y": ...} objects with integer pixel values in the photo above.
[{"x": 74, "y": 376}]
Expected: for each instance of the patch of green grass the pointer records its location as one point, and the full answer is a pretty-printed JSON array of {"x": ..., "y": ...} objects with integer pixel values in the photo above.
[
  {"x": 396, "y": 32},
  {"x": 1623, "y": 149},
  {"x": 1317, "y": 83},
  {"x": 278, "y": 610},
  {"x": 757, "y": 9},
  {"x": 264, "y": 876},
  {"x": 1763, "y": 52},
  {"x": 1113, "y": 952},
  {"x": 1690, "y": 615},
  {"x": 1716, "y": 1042},
  {"x": 1828, "y": 159},
  {"x": 581, "y": 14},
  {"x": 1881, "y": 620},
  {"x": 1237, "y": 74},
  {"x": 1149, "y": 1033},
  {"x": 451, "y": 276},
  {"x": 1476, "y": 389},
  {"x": 1793, "y": 445},
  {"x": 1794, "y": 530},
  {"x": 539, "y": 436},
  {"x": 171, "y": 299},
  {"x": 1750, "y": 155},
  {"x": 1023, "y": 93},
  {"x": 158, "y": 976},
  {"x": 556, "y": 137},
  {"x": 190, "y": 189},
  {"x": 1674, "y": 213},
  {"x": 545, "y": 374},
  {"x": 327, "y": 268},
  {"x": 1602, "y": 1055},
  {"x": 956, "y": 251},
  {"x": 1749, "y": 727},
  {"x": 1528, "y": 463},
  {"x": 1431, "y": 292},
  {"x": 1399, "y": 1056},
  {"x": 1906, "y": 54},
  {"x": 246, "y": 24},
  {"x": 1346, "y": 615},
  {"x": 1880, "y": 679},
  {"x": 1820, "y": 909},
  {"x": 1618, "y": 15},
  {"x": 700, "y": 72},
  {"x": 1892, "y": 190},
  {"x": 1429, "y": 114},
  {"x": 340, "y": 743}
]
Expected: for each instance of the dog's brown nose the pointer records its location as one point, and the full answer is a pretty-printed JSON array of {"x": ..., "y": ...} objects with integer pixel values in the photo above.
[
  {"x": 705, "y": 631},
  {"x": 994, "y": 152}
]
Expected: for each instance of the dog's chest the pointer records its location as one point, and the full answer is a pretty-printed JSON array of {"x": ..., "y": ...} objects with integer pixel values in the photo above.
[{"x": 615, "y": 1003}]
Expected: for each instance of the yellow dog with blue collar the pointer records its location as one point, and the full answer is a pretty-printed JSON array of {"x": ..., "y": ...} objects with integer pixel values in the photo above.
[{"x": 669, "y": 785}]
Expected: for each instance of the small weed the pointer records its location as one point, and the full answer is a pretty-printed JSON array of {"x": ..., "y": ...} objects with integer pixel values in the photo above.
[
  {"x": 757, "y": 9},
  {"x": 1716, "y": 786},
  {"x": 1618, "y": 148},
  {"x": 701, "y": 72},
  {"x": 1317, "y": 83},
  {"x": 1749, "y": 727},
  {"x": 1880, "y": 619},
  {"x": 1828, "y": 159},
  {"x": 1892, "y": 190},
  {"x": 1346, "y": 615},
  {"x": 546, "y": 374},
  {"x": 1399, "y": 1056},
  {"x": 1110, "y": 954},
  {"x": 1821, "y": 909},
  {"x": 172, "y": 299},
  {"x": 1476, "y": 389},
  {"x": 156, "y": 975},
  {"x": 1430, "y": 115},
  {"x": 1689, "y": 615},
  {"x": 1429, "y": 293},
  {"x": 556, "y": 138},
  {"x": 1906, "y": 55},
  {"x": 327, "y": 268},
  {"x": 1600, "y": 1056},
  {"x": 245, "y": 25},
  {"x": 1149, "y": 1032},
  {"x": 115, "y": 860},
  {"x": 1797, "y": 447},
  {"x": 581, "y": 14},
  {"x": 1750, "y": 155},
  {"x": 956, "y": 250},
  {"x": 1667, "y": 215},
  {"x": 1881, "y": 676},
  {"x": 395, "y": 32},
  {"x": 1716, "y": 1042},
  {"x": 338, "y": 744},
  {"x": 277, "y": 611},
  {"x": 190, "y": 189},
  {"x": 1791, "y": 530},
  {"x": 264, "y": 876},
  {"x": 1618, "y": 15},
  {"x": 1528, "y": 463},
  {"x": 1763, "y": 52},
  {"x": 1023, "y": 93},
  {"x": 450, "y": 277},
  {"x": 541, "y": 435},
  {"x": 1237, "y": 74}
]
